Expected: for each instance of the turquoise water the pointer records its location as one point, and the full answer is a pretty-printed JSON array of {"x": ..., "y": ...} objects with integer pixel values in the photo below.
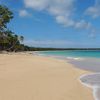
[{"x": 72, "y": 53}]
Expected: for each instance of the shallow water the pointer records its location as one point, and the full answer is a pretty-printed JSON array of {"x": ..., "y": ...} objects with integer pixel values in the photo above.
[
  {"x": 92, "y": 81},
  {"x": 74, "y": 53},
  {"x": 89, "y": 64}
]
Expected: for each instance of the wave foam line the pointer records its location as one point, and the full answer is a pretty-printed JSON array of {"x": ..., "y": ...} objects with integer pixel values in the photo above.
[{"x": 91, "y": 81}]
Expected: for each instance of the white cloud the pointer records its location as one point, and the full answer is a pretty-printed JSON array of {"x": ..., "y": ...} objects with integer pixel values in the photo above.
[
  {"x": 36, "y": 4},
  {"x": 48, "y": 43},
  {"x": 23, "y": 13},
  {"x": 62, "y": 10},
  {"x": 92, "y": 34},
  {"x": 94, "y": 11},
  {"x": 59, "y": 43},
  {"x": 83, "y": 25},
  {"x": 65, "y": 21}
]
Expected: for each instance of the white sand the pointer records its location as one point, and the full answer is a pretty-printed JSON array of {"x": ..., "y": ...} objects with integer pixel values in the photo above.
[{"x": 27, "y": 77}]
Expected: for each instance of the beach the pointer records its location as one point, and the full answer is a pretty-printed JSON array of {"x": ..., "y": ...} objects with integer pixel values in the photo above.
[{"x": 31, "y": 77}]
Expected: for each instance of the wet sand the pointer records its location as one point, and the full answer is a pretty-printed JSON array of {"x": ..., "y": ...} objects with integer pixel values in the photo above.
[{"x": 90, "y": 80}]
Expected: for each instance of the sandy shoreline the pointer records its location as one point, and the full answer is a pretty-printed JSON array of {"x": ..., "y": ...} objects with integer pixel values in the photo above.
[{"x": 28, "y": 77}]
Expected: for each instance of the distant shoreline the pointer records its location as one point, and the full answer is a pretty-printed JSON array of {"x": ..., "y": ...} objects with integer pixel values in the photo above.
[{"x": 57, "y": 49}]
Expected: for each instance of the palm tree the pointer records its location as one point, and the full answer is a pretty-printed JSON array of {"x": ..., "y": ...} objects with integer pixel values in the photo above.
[
  {"x": 8, "y": 39},
  {"x": 5, "y": 16}
]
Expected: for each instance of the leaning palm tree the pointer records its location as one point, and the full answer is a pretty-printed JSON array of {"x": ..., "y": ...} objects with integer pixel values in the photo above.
[
  {"x": 5, "y": 16},
  {"x": 3, "y": 40},
  {"x": 13, "y": 40},
  {"x": 8, "y": 39}
]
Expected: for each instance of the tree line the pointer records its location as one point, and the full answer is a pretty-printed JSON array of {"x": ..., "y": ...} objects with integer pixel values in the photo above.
[{"x": 9, "y": 41}]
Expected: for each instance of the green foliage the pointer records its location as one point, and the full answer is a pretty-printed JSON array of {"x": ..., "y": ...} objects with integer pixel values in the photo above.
[
  {"x": 5, "y": 16},
  {"x": 8, "y": 39}
]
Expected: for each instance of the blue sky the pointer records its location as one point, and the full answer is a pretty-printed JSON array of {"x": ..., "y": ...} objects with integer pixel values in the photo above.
[{"x": 56, "y": 23}]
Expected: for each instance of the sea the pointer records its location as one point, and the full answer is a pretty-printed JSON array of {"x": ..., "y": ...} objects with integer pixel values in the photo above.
[{"x": 88, "y": 60}]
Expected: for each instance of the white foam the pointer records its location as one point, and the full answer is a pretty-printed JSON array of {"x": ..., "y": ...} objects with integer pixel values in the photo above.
[
  {"x": 74, "y": 58},
  {"x": 92, "y": 81}
]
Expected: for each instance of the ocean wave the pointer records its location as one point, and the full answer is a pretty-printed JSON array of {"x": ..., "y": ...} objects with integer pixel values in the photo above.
[
  {"x": 75, "y": 58},
  {"x": 92, "y": 81}
]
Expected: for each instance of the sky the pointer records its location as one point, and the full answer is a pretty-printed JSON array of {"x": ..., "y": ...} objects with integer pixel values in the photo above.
[{"x": 56, "y": 23}]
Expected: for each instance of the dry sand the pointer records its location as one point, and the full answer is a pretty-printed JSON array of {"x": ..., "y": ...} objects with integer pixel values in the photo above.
[{"x": 28, "y": 77}]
